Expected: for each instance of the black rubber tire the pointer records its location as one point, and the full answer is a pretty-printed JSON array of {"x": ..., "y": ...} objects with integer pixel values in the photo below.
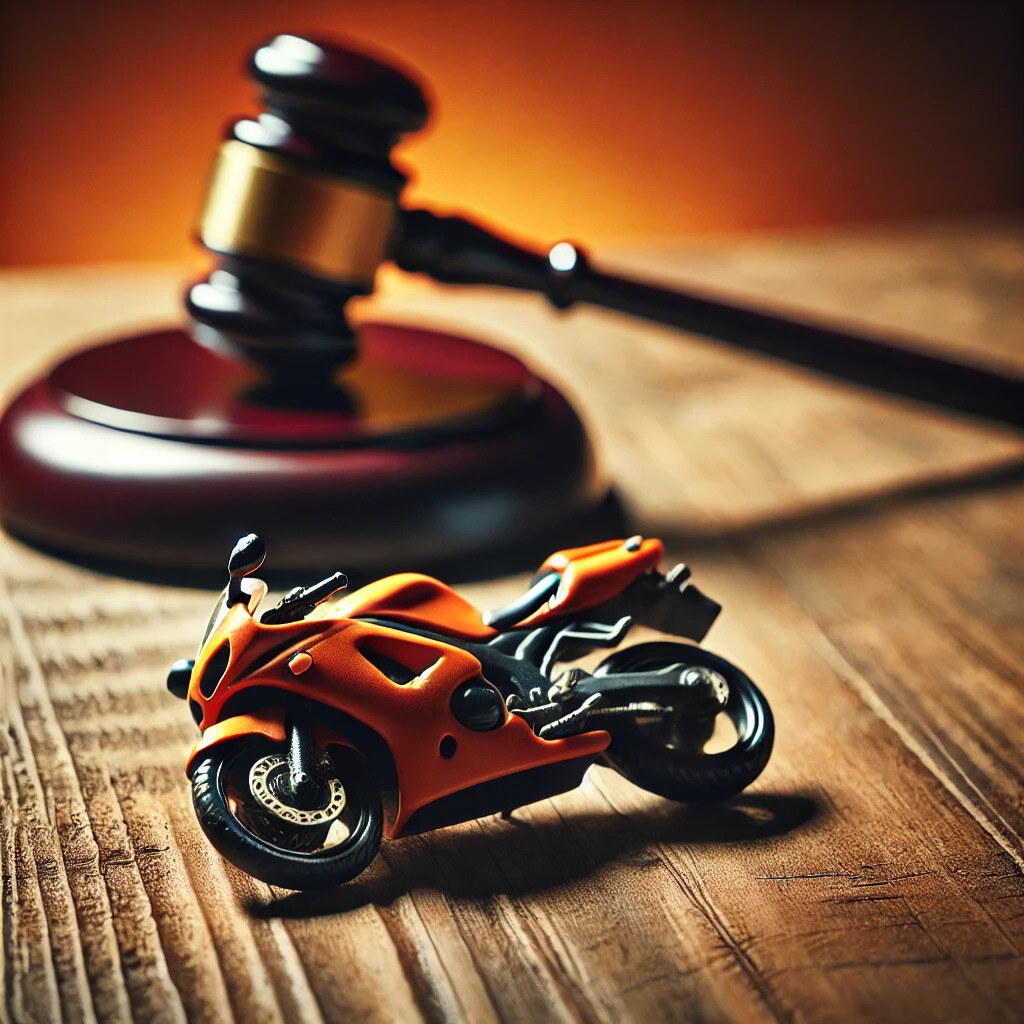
[
  {"x": 270, "y": 863},
  {"x": 685, "y": 776}
]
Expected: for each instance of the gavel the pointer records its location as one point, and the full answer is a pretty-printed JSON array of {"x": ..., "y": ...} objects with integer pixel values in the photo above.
[
  {"x": 304, "y": 206},
  {"x": 383, "y": 448}
]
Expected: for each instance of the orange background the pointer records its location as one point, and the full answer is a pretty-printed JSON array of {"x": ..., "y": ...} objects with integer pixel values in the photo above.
[{"x": 595, "y": 120}]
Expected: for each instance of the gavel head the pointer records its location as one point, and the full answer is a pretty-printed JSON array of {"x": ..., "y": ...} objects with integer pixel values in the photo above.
[{"x": 302, "y": 206}]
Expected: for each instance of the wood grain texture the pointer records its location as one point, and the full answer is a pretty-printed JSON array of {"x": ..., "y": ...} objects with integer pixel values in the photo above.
[{"x": 869, "y": 559}]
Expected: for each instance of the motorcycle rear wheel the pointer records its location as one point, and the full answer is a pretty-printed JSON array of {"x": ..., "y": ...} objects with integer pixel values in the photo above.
[
  {"x": 688, "y": 775},
  {"x": 272, "y": 849}
]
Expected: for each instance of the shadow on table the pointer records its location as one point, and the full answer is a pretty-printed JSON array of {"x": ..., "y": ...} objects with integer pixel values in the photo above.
[
  {"x": 843, "y": 509},
  {"x": 518, "y": 857}
]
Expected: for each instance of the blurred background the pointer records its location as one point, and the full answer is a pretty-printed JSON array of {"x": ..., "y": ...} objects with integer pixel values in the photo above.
[{"x": 603, "y": 121}]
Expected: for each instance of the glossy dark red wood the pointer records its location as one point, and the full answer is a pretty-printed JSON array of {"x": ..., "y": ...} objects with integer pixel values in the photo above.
[
  {"x": 193, "y": 464},
  {"x": 404, "y": 380}
]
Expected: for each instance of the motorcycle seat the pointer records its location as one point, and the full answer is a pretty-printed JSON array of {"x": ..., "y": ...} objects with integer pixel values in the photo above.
[{"x": 526, "y": 604}]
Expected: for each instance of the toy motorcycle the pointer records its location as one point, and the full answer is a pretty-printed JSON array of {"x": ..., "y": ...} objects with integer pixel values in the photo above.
[{"x": 333, "y": 719}]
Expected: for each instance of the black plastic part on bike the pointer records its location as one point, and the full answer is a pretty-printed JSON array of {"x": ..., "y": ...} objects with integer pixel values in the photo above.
[
  {"x": 298, "y": 603},
  {"x": 652, "y": 685},
  {"x": 542, "y": 646},
  {"x": 180, "y": 676},
  {"x": 499, "y": 795},
  {"x": 478, "y": 706},
  {"x": 567, "y": 641},
  {"x": 515, "y": 611},
  {"x": 270, "y": 863},
  {"x": 691, "y": 776},
  {"x": 669, "y": 604},
  {"x": 305, "y": 790}
]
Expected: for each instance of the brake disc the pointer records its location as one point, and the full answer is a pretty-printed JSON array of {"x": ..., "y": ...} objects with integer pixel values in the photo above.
[{"x": 269, "y": 770}]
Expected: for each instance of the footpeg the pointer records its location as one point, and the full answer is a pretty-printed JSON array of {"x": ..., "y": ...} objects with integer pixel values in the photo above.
[{"x": 570, "y": 723}]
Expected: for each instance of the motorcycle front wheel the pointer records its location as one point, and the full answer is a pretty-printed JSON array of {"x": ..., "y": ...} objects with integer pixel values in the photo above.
[
  {"x": 649, "y": 754},
  {"x": 245, "y": 807}
]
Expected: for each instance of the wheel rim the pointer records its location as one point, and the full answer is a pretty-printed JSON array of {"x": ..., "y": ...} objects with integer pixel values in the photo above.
[{"x": 689, "y": 775}]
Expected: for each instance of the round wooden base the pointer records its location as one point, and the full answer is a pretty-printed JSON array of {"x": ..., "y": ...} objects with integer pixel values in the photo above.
[{"x": 153, "y": 454}]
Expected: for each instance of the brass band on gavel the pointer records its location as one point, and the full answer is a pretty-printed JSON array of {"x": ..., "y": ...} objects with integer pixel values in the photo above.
[{"x": 264, "y": 206}]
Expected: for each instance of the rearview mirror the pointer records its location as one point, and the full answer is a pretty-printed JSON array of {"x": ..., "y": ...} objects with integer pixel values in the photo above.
[{"x": 246, "y": 556}]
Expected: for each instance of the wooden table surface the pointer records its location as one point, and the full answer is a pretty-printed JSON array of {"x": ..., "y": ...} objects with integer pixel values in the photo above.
[{"x": 870, "y": 561}]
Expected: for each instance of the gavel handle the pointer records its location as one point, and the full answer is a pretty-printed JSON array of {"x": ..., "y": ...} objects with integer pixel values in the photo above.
[{"x": 457, "y": 251}]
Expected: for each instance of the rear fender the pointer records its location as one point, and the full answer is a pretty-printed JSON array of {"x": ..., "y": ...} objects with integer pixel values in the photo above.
[{"x": 594, "y": 574}]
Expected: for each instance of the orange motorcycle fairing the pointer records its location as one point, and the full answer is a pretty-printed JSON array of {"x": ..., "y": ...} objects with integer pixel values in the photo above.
[
  {"x": 250, "y": 647},
  {"x": 594, "y": 574},
  {"x": 269, "y": 723},
  {"x": 434, "y": 755},
  {"x": 416, "y": 600}
]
